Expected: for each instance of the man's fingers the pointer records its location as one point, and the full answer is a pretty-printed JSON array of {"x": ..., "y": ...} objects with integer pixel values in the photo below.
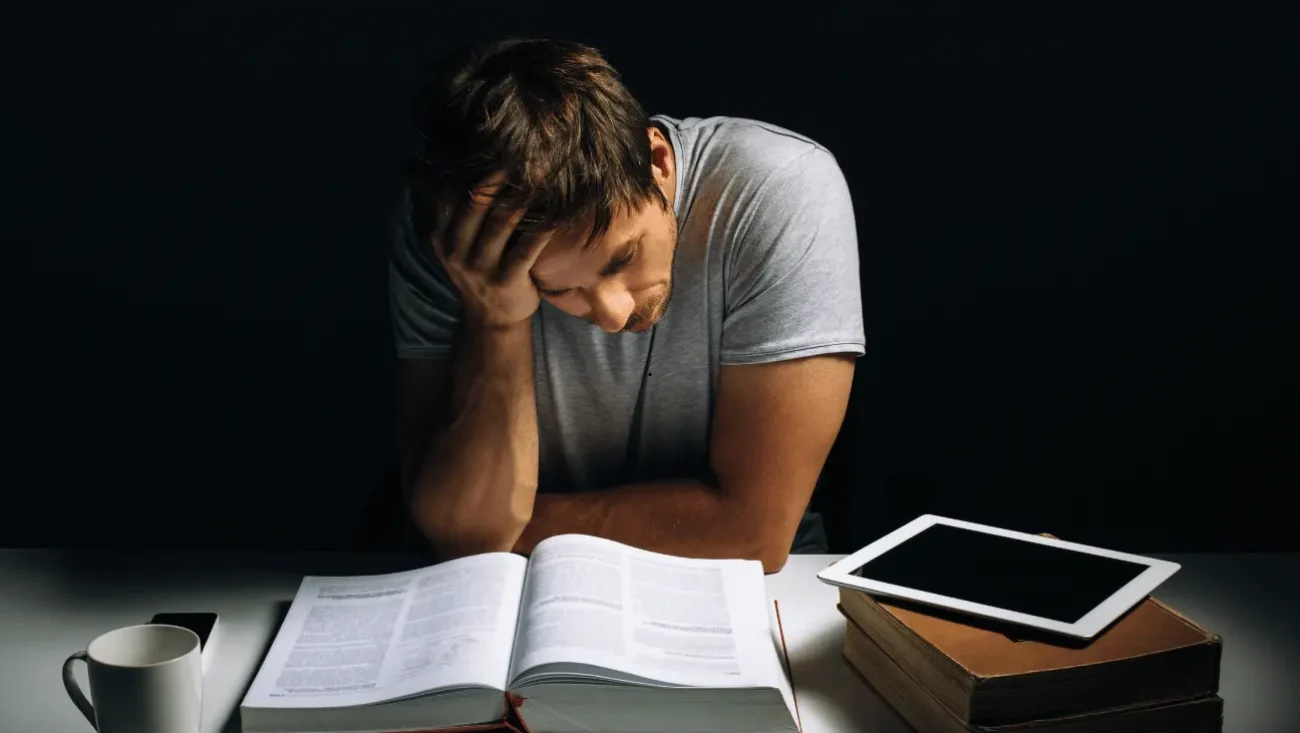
[
  {"x": 494, "y": 235},
  {"x": 525, "y": 252},
  {"x": 469, "y": 219},
  {"x": 486, "y": 189},
  {"x": 464, "y": 230}
]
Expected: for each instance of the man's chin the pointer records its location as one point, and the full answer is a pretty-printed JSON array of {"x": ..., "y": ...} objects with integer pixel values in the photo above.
[{"x": 644, "y": 324}]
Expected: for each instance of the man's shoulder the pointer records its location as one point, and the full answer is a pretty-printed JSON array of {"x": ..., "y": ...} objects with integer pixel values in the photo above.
[
  {"x": 739, "y": 129},
  {"x": 732, "y": 146}
]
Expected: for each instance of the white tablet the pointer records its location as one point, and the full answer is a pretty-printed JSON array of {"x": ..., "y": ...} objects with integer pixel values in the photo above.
[{"x": 1020, "y": 578}]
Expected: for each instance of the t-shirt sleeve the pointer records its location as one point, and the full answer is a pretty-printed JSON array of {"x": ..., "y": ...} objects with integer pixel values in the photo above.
[
  {"x": 792, "y": 282},
  {"x": 424, "y": 306}
]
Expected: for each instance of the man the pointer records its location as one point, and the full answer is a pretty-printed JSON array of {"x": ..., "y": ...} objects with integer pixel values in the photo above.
[{"x": 611, "y": 324}]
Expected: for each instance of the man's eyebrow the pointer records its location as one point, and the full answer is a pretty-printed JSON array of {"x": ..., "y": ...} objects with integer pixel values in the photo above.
[
  {"x": 616, "y": 262},
  {"x": 619, "y": 258}
]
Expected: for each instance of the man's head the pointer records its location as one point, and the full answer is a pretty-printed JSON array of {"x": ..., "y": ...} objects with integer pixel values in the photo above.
[{"x": 578, "y": 153}]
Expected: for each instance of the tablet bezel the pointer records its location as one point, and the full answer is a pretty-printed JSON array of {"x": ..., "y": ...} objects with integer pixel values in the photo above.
[{"x": 1135, "y": 591}]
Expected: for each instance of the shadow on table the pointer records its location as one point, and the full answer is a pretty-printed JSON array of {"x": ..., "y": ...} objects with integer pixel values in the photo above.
[
  {"x": 105, "y": 576},
  {"x": 820, "y": 673},
  {"x": 234, "y": 724}
]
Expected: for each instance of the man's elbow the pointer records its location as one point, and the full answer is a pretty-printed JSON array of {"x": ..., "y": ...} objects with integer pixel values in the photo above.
[
  {"x": 758, "y": 533},
  {"x": 450, "y": 539},
  {"x": 768, "y": 546},
  {"x": 454, "y": 530},
  {"x": 774, "y": 557}
]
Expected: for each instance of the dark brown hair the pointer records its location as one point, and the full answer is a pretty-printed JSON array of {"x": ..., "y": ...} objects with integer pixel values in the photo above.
[{"x": 554, "y": 115}]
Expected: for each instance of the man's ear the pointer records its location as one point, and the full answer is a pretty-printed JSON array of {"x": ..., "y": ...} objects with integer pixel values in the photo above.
[{"x": 663, "y": 163}]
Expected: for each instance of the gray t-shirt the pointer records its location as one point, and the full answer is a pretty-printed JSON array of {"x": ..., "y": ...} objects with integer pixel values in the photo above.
[{"x": 766, "y": 269}]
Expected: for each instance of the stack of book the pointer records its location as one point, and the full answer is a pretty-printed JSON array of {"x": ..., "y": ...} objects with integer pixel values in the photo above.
[{"x": 1152, "y": 671}]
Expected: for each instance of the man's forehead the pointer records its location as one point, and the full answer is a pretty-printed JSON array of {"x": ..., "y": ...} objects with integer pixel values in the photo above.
[
  {"x": 562, "y": 254},
  {"x": 573, "y": 253},
  {"x": 570, "y": 238}
]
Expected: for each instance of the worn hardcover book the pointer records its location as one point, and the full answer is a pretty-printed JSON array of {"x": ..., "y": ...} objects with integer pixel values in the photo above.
[
  {"x": 924, "y": 711},
  {"x": 586, "y": 634},
  {"x": 990, "y": 674}
]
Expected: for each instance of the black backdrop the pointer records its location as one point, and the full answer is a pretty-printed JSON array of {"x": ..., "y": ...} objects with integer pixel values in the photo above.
[{"x": 1077, "y": 225}]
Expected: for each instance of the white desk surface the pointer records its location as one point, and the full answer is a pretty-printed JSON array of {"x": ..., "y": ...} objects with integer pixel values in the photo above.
[{"x": 53, "y": 603}]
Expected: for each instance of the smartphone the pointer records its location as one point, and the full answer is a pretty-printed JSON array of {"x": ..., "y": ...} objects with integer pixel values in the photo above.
[{"x": 203, "y": 624}]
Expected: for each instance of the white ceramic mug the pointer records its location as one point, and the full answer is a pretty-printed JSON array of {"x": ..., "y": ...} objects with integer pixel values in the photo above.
[{"x": 143, "y": 679}]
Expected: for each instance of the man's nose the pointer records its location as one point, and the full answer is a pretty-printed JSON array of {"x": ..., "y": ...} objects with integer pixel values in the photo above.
[{"x": 611, "y": 306}]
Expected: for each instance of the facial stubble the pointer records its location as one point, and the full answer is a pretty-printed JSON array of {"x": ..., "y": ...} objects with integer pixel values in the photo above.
[{"x": 654, "y": 311}]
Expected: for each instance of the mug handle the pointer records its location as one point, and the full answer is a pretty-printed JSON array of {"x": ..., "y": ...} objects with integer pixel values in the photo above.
[{"x": 74, "y": 690}]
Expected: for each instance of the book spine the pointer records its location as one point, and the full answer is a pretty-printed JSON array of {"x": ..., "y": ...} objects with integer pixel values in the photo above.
[
  {"x": 1179, "y": 674},
  {"x": 936, "y": 671}
]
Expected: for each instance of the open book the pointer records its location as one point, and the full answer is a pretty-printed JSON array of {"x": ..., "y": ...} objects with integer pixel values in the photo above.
[{"x": 586, "y": 635}]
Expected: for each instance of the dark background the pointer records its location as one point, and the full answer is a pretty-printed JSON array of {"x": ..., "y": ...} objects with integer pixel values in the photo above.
[{"x": 1077, "y": 225}]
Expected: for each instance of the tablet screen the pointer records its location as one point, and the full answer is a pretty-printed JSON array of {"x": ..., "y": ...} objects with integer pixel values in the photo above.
[{"x": 1025, "y": 577}]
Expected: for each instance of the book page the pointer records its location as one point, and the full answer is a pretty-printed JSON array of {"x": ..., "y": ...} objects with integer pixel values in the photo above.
[
  {"x": 671, "y": 620},
  {"x": 359, "y": 640}
]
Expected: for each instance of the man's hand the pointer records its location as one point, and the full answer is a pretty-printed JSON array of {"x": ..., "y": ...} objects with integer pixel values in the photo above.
[
  {"x": 470, "y": 240},
  {"x": 469, "y": 426}
]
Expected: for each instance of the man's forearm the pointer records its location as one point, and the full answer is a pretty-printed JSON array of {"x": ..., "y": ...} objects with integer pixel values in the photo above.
[
  {"x": 475, "y": 487},
  {"x": 684, "y": 518}
]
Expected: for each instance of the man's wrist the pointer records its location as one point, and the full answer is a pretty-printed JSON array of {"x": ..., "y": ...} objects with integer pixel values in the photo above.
[{"x": 485, "y": 327}]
